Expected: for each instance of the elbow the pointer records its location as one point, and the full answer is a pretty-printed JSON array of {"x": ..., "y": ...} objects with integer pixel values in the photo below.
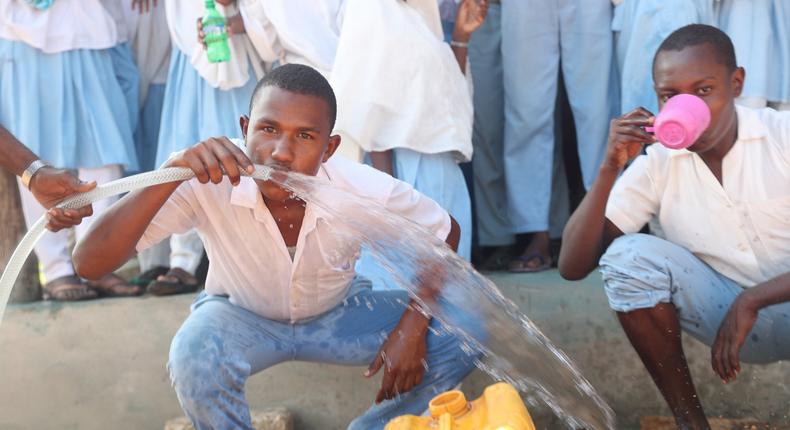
[
  {"x": 85, "y": 264},
  {"x": 569, "y": 270},
  {"x": 571, "y": 274}
]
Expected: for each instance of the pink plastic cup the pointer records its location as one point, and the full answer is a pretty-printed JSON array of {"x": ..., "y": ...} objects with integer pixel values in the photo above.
[{"x": 681, "y": 122}]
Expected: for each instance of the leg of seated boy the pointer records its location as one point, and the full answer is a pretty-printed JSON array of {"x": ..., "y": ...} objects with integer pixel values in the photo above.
[
  {"x": 220, "y": 345},
  {"x": 214, "y": 352},
  {"x": 657, "y": 288},
  {"x": 353, "y": 333}
]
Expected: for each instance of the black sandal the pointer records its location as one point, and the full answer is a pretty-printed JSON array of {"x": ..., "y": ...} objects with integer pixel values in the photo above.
[
  {"x": 144, "y": 279},
  {"x": 175, "y": 281},
  {"x": 113, "y": 285}
]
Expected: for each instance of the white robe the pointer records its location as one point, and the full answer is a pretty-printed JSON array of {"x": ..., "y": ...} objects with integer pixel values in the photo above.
[
  {"x": 398, "y": 84},
  {"x": 182, "y": 16},
  {"x": 66, "y": 25}
]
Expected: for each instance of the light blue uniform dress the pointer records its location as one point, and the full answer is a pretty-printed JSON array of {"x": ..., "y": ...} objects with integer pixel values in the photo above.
[
  {"x": 758, "y": 29},
  {"x": 640, "y": 26},
  {"x": 516, "y": 58},
  {"x": 194, "y": 110},
  {"x": 780, "y": 74},
  {"x": 66, "y": 107}
]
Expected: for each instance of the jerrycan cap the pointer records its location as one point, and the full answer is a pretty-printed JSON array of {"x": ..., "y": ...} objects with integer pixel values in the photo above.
[{"x": 451, "y": 402}]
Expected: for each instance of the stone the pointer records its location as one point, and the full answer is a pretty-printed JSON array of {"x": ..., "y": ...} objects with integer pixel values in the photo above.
[{"x": 270, "y": 419}]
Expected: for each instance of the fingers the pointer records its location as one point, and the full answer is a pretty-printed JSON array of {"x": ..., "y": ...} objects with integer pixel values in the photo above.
[
  {"x": 195, "y": 164},
  {"x": 228, "y": 164},
  {"x": 201, "y": 35},
  {"x": 208, "y": 155},
  {"x": 375, "y": 366},
  {"x": 84, "y": 187},
  {"x": 241, "y": 159},
  {"x": 386, "y": 387},
  {"x": 724, "y": 354},
  {"x": 58, "y": 219},
  {"x": 214, "y": 158},
  {"x": 639, "y": 112}
]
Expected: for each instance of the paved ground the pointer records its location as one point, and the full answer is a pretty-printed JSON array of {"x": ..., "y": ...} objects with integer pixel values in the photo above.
[{"x": 101, "y": 364}]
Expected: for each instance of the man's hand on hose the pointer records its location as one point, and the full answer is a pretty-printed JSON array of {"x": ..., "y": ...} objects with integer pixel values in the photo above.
[
  {"x": 213, "y": 158},
  {"x": 50, "y": 186}
]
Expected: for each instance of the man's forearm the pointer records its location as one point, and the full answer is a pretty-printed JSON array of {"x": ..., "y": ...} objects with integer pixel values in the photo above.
[
  {"x": 112, "y": 238},
  {"x": 771, "y": 292},
  {"x": 582, "y": 239},
  {"x": 14, "y": 156}
]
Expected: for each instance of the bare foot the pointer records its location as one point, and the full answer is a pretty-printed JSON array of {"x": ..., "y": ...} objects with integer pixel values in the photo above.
[{"x": 536, "y": 257}]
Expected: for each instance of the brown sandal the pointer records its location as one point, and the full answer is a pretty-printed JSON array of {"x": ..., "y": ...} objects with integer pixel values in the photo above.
[
  {"x": 67, "y": 289},
  {"x": 113, "y": 285},
  {"x": 175, "y": 281}
]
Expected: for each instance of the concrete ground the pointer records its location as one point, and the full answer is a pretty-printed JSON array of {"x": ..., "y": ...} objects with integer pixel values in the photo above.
[{"x": 101, "y": 364}]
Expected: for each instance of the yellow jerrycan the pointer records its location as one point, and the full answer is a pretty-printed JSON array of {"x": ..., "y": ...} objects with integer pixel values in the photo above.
[{"x": 499, "y": 408}]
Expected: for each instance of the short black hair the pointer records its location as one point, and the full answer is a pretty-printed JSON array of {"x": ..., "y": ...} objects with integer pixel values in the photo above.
[
  {"x": 299, "y": 79},
  {"x": 698, "y": 34}
]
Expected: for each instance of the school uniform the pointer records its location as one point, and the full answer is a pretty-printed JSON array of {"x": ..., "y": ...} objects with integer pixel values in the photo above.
[
  {"x": 202, "y": 99},
  {"x": 750, "y": 26},
  {"x": 264, "y": 305},
  {"x": 150, "y": 45},
  {"x": 399, "y": 88},
  {"x": 712, "y": 240},
  {"x": 61, "y": 98},
  {"x": 640, "y": 26},
  {"x": 515, "y": 59}
]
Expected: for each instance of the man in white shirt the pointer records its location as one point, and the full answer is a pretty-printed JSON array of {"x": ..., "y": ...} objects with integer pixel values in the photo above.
[
  {"x": 281, "y": 286},
  {"x": 719, "y": 264}
]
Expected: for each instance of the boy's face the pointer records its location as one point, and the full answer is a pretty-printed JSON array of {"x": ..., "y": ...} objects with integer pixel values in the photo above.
[
  {"x": 695, "y": 70},
  {"x": 288, "y": 131}
]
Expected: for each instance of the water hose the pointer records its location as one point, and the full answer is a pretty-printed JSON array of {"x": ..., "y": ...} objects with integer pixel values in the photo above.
[{"x": 120, "y": 186}]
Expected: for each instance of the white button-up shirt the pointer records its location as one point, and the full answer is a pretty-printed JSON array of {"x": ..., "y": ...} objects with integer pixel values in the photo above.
[
  {"x": 249, "y": 259},
  {"x": 741, "y": 228}
]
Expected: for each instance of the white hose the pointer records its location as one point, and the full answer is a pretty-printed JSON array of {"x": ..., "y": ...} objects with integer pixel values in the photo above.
[{"x": 120, "y": 186}]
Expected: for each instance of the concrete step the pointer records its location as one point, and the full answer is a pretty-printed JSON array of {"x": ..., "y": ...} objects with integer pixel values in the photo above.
[
  {"x": 270, "y": 419},
  {"x": 101, "y": 364}
]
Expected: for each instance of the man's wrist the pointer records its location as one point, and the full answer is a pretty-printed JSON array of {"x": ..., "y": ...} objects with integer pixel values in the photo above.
[
  {"x": 461, "y": 37},
  {"x": 31, "y": 170}
]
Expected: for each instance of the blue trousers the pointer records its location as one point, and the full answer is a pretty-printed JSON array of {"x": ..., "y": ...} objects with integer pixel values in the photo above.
[
  {"x": 640, "y": 271},
  {"x": 515, "y": 59},
  {"x": 220, "y": 345}
]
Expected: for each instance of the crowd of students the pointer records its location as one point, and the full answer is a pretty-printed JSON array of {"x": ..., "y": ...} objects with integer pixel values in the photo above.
[{"x": 123, "y": 87}]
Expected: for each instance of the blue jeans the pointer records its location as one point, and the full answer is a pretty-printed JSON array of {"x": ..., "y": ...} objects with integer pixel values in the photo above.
[
  {"x": 640, "y": 271},
  {"x": 220, "y": 345}
]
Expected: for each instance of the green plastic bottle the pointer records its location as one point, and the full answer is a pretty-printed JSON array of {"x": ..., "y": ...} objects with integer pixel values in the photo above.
[{"x": 216, "y": 36}]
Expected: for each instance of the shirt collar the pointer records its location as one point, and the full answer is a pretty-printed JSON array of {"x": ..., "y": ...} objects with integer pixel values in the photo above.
[
  {"x": 247, "y": 194},
  {"x": 750, "y": 128}
]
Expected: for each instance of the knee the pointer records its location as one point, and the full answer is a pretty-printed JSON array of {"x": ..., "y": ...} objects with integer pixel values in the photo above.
[
  {"x": 634, "y": 254},
  {"x": 198, "y": 366},
  {"x": 635, "y": 272}
]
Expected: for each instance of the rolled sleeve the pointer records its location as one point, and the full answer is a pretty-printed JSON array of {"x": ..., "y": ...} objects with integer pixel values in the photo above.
[
  {"x": 176, "y": 216},
  {"x": 410, "y": 203},
  {"x": 634, "y": 200}
]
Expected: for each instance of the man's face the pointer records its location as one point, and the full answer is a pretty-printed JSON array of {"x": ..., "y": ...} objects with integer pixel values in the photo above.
[
  {"x": 695, "y": 70},
  {"x": 288, "y": 131}
]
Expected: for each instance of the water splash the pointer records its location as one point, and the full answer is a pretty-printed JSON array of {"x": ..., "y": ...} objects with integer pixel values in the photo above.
[{"x": 511, "y": 347}]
